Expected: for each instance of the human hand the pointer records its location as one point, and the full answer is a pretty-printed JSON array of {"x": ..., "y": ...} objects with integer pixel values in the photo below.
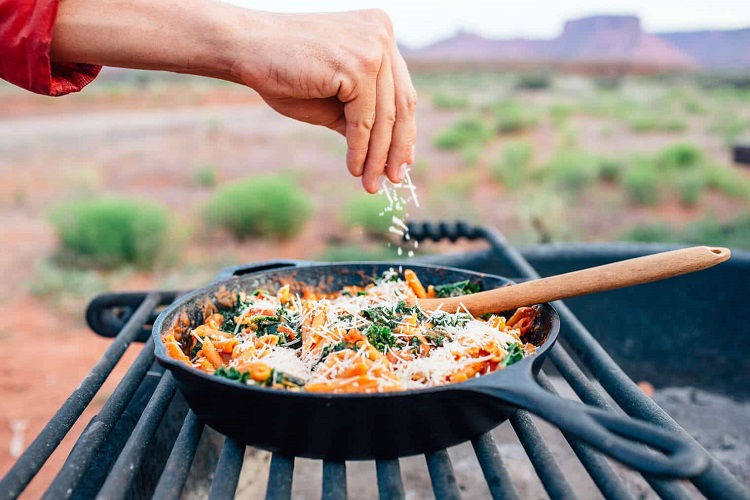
[{"x": 342, "y": 71}]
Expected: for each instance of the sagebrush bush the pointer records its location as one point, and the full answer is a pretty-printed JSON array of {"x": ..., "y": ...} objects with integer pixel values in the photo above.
[
  {"x": 641, "y": 183},
  {"x": 265, "y": 206},
  {"x": 729, "y": 181},
  {"x": 690, "y": 185},
  {"x": 205, "y": 176},
  {"x": 610, "y": 169},
  {"x": 652, "y": 232},
  {"x": 680, "y": 156},
  {"x": 353, "y": 252},
  {"x": 707, "y": 231},
  {"x": 534, "y": 81},
  {"x": 572, "y": 170},
  {"x": 510, "y": 169},
  {"x": 471, "y": 153},
  {"x": 560, "y": 112},
  {"x": 109, "y": 232},
  {"x": 365, "y": 211},
  {"x": 654, "y": 120},
  {"x": 513, "y": 116},
  {"x": 445, "y": 100},
  {"x": 462, "y": 133}
]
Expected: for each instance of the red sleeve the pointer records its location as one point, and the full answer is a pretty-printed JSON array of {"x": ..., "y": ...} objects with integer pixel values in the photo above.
[{"x": 25, "y": 38}]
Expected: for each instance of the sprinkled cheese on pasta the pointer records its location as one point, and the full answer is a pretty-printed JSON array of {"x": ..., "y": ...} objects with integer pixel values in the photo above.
[{"x": 358, "y": 339}]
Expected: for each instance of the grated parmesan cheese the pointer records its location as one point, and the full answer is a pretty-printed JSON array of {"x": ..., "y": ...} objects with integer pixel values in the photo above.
[
  {"x": 360, "y": 339},
  {"x": 399, "y": 196}
]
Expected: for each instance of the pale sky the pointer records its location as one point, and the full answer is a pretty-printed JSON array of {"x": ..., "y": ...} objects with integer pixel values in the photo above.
[{"x": 420, "y": 23}]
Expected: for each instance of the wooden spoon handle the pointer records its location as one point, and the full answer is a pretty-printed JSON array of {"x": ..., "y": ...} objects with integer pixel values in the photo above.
[{"x": 596, "y": 279}]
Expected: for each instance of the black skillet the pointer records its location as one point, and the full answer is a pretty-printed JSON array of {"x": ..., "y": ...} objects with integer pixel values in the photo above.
[{"x": 395, "y": 424}]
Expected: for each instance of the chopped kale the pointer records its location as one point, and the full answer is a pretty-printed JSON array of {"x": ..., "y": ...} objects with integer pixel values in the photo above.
[
  {"x": 267, "y": 325},
  {"x": 456, "y": 289},
  {"x": 361, "y": 293},
  {"x": 229, "y": 325},
  {"x": 436, "y": 340},
  {"x": 330, "y": 348},
  {"x": 415, "y": 343},
  {"x": 229, "y": 314},
  {"x": 288, "y": 380},
  {"x": 380, "y": 337},
  {"x": 515, "y": 354},
  {"x": 197, "y": 347},
  {"x": 233, "y": 374},
  {"x": 388, "y": 275},
  {"x": 404, "y": 310},
  {"x": 443, "y": 319},
  {"x": 381, "y": 316}
]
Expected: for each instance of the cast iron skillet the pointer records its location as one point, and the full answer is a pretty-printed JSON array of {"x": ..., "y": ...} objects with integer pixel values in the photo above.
[{"x": 389, "y": 425}]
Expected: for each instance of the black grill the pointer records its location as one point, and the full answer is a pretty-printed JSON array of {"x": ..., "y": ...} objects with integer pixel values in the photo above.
[{"x": 143, "y": 442}]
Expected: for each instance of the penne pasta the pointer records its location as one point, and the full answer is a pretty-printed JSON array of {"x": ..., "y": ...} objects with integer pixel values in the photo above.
[{"x": 359, "y": 339}]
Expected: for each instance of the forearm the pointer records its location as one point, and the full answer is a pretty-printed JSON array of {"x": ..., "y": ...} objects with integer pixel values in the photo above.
[{"x": 188, "y": 36}]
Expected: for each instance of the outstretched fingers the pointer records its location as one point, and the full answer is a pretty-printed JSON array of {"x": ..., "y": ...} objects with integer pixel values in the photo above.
[
  {"x": 360, "y": 119},
  {"x": 405, "y": 129},
  {"x": 382, "y": 131}
]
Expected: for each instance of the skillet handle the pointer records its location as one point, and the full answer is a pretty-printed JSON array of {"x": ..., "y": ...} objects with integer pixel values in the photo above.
[{"x": 616, "y": 436}]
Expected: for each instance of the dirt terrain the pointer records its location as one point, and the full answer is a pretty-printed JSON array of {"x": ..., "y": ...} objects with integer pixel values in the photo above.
[{"x": 148, "y": 144}]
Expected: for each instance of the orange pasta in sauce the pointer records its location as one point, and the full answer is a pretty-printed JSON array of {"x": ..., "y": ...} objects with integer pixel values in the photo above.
[{"x": 359, "y": 339}]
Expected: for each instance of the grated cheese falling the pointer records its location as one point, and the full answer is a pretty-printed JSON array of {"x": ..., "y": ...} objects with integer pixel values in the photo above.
[{"x": 399, "y": 196}]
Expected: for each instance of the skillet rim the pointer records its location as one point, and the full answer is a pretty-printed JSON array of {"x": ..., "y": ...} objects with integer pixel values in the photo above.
[{"x": 160, "y": 351}]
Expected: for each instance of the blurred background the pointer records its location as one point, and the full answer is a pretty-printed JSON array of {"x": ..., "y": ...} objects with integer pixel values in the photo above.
[{"x": 552, "y": 123}]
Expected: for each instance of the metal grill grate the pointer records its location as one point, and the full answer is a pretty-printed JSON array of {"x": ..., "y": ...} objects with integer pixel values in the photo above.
[{"x": 142, "y": 444}]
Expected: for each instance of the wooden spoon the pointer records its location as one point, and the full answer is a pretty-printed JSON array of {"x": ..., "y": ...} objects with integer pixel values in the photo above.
[{"x": 595, "y": 279}]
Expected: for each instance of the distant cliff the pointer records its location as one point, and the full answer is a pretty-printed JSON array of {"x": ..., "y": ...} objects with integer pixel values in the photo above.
[
  {"x": 601, "y": 40},
  {"x": 728, "y": 49}
]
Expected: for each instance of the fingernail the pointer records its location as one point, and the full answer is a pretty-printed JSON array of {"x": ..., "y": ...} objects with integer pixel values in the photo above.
[{"x": 401, "y": 172}]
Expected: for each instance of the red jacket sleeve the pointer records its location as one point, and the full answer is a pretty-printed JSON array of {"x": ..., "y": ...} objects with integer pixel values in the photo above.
[{"x": 25, "y": 38}]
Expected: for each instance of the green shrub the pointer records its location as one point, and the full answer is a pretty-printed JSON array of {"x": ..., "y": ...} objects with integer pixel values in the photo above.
[
  {"x": 534, "y": 81},
  {"x": 707, "y": 231},
  {"x": 265, "y": 206},
  {"x": 568, "y": 138},
  {"x": 205, "y": 176},
  {"x": 641, "y": 183},
  {"x": 653, "y": 232},
  {"x": 608, "y": 82},
  {"x": 515, "y": 158},
  {"x": 109, "y": 232},
  {"x": 471, "y": 153},
  {"x": 52, "y": 280},
  {"x": 690, "y": 185},
  {"x": 654, "y": 120},
  {"x": 513, "y": 116},
  {"x": 352, "y": 252},
  {"x": 368, "y": 212},
  {"x": 680, "y": 156},
  {"x": 729, "y": 181},
  {"x": 685, "y": 98},
  {"x": 463, "y": 132},
  {"x": 572, "y": 170},
  {"x": 610, "y": 169},
  {"x": 559, "y": 113},
  {"x": 444, "y": 100},
  {"x": 729, "y": 127}
]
